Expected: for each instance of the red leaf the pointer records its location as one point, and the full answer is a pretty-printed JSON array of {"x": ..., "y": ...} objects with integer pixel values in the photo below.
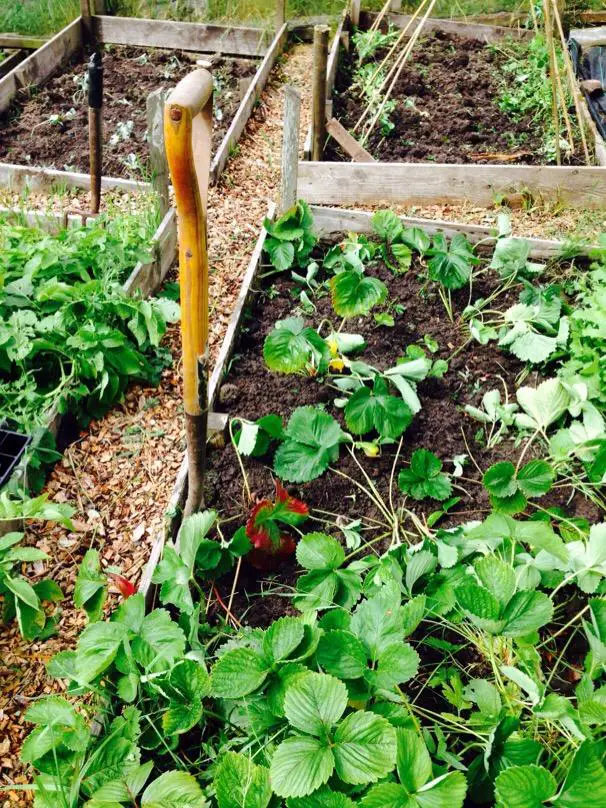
[
  {"x": 258, "y": 534},
  {"x": 293, "y": 504},
  {"x": 124, "y": 585}
]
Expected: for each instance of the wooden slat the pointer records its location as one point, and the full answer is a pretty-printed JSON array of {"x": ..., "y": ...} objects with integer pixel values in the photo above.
[
  {"x": 179, "y": 493},
  {"x": 19, "y": 41},
  {"x": 589, "y": 37},
  {"x": 12, "y": 61},
  {"x": 333, "y": 57},
  {"x": 238, "y": 125},
  {"x": 592, "y": 17},
  {"x": 348, "y": 143},
  {"x": 187, "y": 36},
  {"x": 485, "y": 33},
  {"x": 35, "y": 178},
  {"x": 39, "y": 66},
  {"x": 330, "y": 222},
  {"x": 433, "y": 183},
  {"x": 51, "y": 221}
]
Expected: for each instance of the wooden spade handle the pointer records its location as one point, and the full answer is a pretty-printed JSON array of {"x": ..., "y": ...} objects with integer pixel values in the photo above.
[{"x": 188, "y": 135}]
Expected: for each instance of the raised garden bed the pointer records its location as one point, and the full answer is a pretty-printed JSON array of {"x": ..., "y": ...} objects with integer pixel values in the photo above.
[
  {"x": 452, "y": 129},
  {"x": 421, "y": 627},
  {"x": 244, "y": 53}
]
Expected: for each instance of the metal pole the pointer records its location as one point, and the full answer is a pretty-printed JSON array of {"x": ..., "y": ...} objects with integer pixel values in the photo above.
[
  {"x": 95, "y": 128},
  {"x": 319, "y": 91}
]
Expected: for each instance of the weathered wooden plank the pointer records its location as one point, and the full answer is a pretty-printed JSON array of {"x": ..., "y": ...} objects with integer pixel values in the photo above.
[
  {"x": 290, "y": 148},
  {"x": 51, "y": 221},
  {"x": 589, "y": 37},
  {"x": 187, "y": 36},
  {"x": 333, "y": 57},
  {"x": 39, "y": 66},
  {"x": 592, "y": 17},
  {"x": 148, "y": 275},
  {"x": 485, "y": 33},
  {"x": 238, "y": 125},
  {"x": 20, "y": 41},
  {"x": 348, "y": 143},
  {"x": 432, "y": 183},
  {"x": 35, "y": 178},
  {"x": 336, "y": 221}
]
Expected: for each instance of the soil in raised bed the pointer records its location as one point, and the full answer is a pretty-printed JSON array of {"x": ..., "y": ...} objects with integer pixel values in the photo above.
[
  {"x": 447, "y": 108},
  {"x": 28, "y": 137},
  {"x": 251, "y": 391}
]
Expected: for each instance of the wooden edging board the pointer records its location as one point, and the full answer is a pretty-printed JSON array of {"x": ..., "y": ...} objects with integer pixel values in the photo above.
[
  {"x": 485, "y": 33},
  {"x": 196, "y": 37},
  {"x": 327, "y": 222},
  {"x": 228, "y": 345},
  {"x": 145, "y": 278},
  {"x": 238, "y": 125},
  {"x": 323, "y": 183}
]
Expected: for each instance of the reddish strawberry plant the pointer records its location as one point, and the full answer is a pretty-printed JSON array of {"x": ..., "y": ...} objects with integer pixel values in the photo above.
[{"x": 265, "y": 528}]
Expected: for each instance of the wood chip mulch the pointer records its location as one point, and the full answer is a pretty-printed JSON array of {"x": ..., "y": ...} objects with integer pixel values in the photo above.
[{"x": 121, "y": 471}]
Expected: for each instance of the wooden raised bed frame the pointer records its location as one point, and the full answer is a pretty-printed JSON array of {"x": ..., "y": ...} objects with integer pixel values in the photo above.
[
  {"x": 188, "y": 36},
  {"x": 371, "y": 183},
  {"x": 328, "y": 222}
]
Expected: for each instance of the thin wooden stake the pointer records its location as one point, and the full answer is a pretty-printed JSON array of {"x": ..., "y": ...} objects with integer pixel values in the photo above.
[
  {"x": 87, "y": 21},
  {"x": 290, "y": 148},
  {"x": 95, "y": 128},
  {"x": 552, "y": 71},
  {"x": 188, "y": 135},
  {"x": 572, "y": 83},
  {"x": 319, "y": 91},
  {"x": 355, "y": 12},
  {"x": 157, "y": 152},
  {"x": 380, "y": 15},
  {"x": 280, "y": 13}
]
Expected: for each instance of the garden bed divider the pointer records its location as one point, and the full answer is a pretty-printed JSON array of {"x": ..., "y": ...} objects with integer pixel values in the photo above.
[
  {"x": 146, "y": 278},
  {"x": 15, "y": 58},
  {"x": 188, "y": 36},
  {"x": 217, "y": 421}
]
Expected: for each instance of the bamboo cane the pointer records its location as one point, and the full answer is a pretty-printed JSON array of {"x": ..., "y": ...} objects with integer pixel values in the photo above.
[
  {"x": 407, "y": 51},
  {"x": 390, "y": 53},
  {"x": 552, "y": 71},
  {"x": 380, "y": 16},
  {"x": 572, "y": 82},
  {"x": 188, "y": 134}
]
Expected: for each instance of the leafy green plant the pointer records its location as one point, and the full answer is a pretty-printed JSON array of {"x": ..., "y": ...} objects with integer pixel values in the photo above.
[
  {"x": 450, "y": 266},
  {"x": 510, "y": 487},
  {"x": 398, "y": 242},
  {"x": 496, "y": 416},
  {"x": 325, "y": 583},
  {"x": 355, "y": 294},
  {"x": 312, "y": 442},
  {"x": 360, "y": 748},
  {"x": 290, "y": 238},
  {"x": 425, "y": 477},
  {"x": 377, "y": 410}
]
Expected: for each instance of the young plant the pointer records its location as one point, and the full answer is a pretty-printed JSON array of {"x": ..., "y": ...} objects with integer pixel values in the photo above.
[
  {"x": 398, "y": 242},
  {"x": 450, "y": 266},
  {"x": 510, "y": 488},
  {"x": 497, "y": 417},
  {"x": 355, "y": 294},
  {"x": 312, "y": 442},
  {"x": 425, "y": 478},
  {"x": 290, "y": 238},
  {"x": 377, "y": 410},
  {"x": 265, "y": 527},
  {"x": 325, "y": 584}
]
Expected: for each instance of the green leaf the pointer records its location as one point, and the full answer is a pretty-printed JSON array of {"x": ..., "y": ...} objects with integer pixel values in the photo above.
[
  {"x": 524, "y": 787},
  {"x": 377, "y": 409},
  {"x": 387, "y": 795},
  {"x": 291, "y": 347},
  {"x": 500, "y": 479},
  {"x": 396, "y": 665},
  {"x": 239, "y": 783},
  {"x": 174, "y": 789},
  {"x": 160, "y": 639},
  {"x": 238, "y": 673},
  {"x": 413, "y": 762},
  {"x": 317, "y": 590},
  {"x": 57, "y": 724},
  {"x": 451, "y": 264},
  {"x": 535, "y": 478},
  {"x": 364, "y": 748},
  {"x": 314, "y": 702},
  {"x": 485, "y": 695},
  {"x": 282, "y": 637},
  {"x": 526, "y": 612},
  {"x": 311, "y": 445},
  {"x": 300, "y": 765},
  {"x": 97, "y": 648},
  {"x": 585, "y": 783},
  {"x": 281, "y": 253},
  {"x": 497, "y": 577},
  {"x": 386, "y": 225},
  {"x": 322, "y": 798},
  {"x": 424, "y": 478},
  {"x": 447, "y": 791},
  {"x": 90, "y": 590},
  {"x": 317, "y": 551},
  {"x": 355, "y": 294},
  {"x": 377, "y": 623},
  {"x": 22, "y": 591},
  {"x": 479, "y": 603},
  {"x": 341, "y": 654}
]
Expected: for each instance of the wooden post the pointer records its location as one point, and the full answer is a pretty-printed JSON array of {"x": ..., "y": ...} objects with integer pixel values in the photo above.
[
  {"x": 396, "y": 5},
  {"x": 87, "y": 22},
  {"x": 98, "y": 6},
  {"x": 290, "y": 148},
  {"x": 355, "y": 12},
  {"x": 552, "y": 77},
  {"x": 95, "y": 128},
  {"x": 188, "y": 124},
  {"x": 280, "y": 13},
  {"x": 319, "y": 91},
  {"x": 157, "y": 152}
]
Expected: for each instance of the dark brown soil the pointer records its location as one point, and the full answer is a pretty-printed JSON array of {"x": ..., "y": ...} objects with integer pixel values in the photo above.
[
  {"x": 28, "y": 137},
  {"x": 441, "y": 425},
  {"x": 446, "y": 110}
]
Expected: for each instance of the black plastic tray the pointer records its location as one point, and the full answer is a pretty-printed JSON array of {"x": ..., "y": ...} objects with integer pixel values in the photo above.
[{"x": 12, "y": 447}]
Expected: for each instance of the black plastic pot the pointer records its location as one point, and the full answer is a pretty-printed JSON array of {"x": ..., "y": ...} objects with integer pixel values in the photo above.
[{"x": 12, "y": 447}]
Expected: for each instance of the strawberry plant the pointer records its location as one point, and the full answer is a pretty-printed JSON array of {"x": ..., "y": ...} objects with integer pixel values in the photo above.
[
  {"x": 290, "y": 238},
  {"x": 450, "y": 266},
  {"x": 425, "y": 477},
  {"x": 266, "y": 527},
  {"x": 312, "y": 443}
]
